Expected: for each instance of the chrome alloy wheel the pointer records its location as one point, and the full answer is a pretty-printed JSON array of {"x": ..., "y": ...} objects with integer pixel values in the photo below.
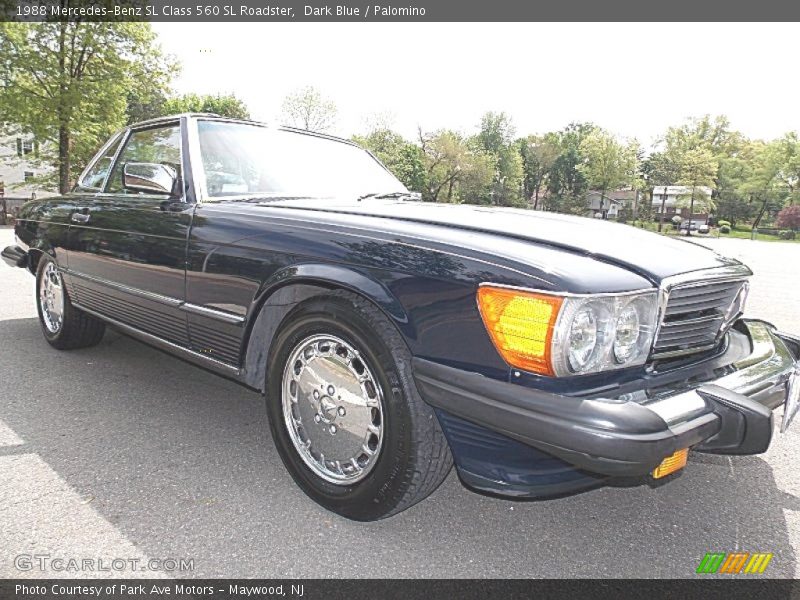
[
  {"x": 333, "y": 409},
  {"x": 51, "y": 298}
]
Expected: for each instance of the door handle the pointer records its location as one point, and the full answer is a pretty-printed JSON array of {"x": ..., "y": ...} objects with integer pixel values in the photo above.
[{"x": 80, "y": 217}]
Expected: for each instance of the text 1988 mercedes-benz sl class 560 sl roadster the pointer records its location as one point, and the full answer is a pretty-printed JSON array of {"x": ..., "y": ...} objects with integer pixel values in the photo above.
[{"x": 541, "y": 353}]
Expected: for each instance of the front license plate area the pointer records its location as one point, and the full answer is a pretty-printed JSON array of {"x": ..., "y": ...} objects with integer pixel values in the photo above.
[{"x": 792, "y": 399}]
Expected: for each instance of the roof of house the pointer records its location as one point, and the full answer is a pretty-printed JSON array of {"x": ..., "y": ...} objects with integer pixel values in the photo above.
[
  {"x": 678, "y": 190},
  {"x": 615, "y": 196}
]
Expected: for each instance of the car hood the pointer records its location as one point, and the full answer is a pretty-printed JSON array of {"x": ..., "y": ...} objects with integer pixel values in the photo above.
[{"x": 649, "y": 254}]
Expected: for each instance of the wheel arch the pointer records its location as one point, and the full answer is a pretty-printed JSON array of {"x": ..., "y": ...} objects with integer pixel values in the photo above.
[
  {"x": 293, "y": 285},
  {"x": 39, "y": 246}
]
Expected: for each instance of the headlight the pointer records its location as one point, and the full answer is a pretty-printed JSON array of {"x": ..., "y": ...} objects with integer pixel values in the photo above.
[
  {"x": 582, "y": 338},
  {"x": 624, "y": 326},
  {"x": 569, "y": 334}
]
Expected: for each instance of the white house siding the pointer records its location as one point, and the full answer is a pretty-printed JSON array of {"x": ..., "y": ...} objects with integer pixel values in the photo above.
[{"x": 13, "y": 169}]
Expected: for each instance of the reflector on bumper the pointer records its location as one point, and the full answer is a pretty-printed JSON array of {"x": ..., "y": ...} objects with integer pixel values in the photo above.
[{"x": 674, "y": 462}]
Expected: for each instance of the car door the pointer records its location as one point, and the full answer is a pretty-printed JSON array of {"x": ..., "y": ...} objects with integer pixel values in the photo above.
[{"x": 127, "y": 249}]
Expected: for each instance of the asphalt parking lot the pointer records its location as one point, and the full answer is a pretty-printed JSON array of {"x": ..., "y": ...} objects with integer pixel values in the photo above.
[{"x": 120, "y": 451}]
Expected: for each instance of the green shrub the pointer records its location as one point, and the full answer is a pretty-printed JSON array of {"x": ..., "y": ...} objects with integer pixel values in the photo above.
[
  {"x": 725, "y": 229},
  {"x": 787, "y": 235},
  {"x": 722, "y": 223}
]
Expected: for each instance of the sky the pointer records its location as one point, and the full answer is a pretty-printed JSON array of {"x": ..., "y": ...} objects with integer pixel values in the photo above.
[{"x": 633, "y": 79}]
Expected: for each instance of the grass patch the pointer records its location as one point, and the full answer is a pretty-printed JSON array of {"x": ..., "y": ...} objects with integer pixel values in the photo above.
[{"x": 742, "y": 232}]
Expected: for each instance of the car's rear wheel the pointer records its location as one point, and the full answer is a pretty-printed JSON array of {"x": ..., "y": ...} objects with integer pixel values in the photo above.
[
  {"x": 345, "y": 414},
  {"x": 64, "y": 326}
]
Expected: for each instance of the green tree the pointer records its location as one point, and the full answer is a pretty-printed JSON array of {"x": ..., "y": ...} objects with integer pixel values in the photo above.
[
  {"x": 496, "y": 132},
  {"x": 495, "y": 139},
  {"x": 539, "y": 154},
  {"x": 401, "y": 157},
  {"x": 456, "y": 170},
  {"x": 713, "y": 134},
  {"x": 659, "y": 169},
  {"x": 308, "y": 109},
  {"x": 566, "y": 182},
  {"x": 764, "y": 186},
  {"x": 608, "y": 164},
  {"x": 733, "y": 204},
  {"x": 66, "y": 83},
  {"x": 225, "y": 105},
  {"x": 507, "y": 184},
  {"x": 444, "y": 154},
  {"x": 790, "y": 170},
  {"x": 698, "y": 170}
]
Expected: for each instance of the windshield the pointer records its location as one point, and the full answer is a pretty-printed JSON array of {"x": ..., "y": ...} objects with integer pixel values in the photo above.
[{"x": 248, "y": 160}]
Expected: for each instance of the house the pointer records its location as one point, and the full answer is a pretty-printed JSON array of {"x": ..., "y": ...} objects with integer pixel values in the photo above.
[
  {"x": 612, "y": 202},
  {"x": 670, "y": 196},
  {"x": 18, "y": 168}
]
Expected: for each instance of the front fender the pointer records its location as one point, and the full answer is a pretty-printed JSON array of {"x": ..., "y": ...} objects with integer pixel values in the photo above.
[
  {"x": 336, "y": 276},
  {"x": 291, "y": 285}
]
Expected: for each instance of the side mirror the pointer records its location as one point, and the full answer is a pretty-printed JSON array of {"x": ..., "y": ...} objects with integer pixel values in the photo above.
[{"x": 149, "y": 178}]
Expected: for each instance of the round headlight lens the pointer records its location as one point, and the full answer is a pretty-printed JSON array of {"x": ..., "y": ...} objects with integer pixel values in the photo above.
[
  {"x": 582, "y": 338},
  {"x": 627, "y": 336}
]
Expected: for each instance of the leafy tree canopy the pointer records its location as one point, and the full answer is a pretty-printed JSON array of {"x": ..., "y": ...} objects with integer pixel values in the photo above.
[{"x": 67, "y": 83}]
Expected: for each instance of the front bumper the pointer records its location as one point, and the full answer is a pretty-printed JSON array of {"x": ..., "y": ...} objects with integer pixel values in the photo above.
[{"x": 629, "y": 436}]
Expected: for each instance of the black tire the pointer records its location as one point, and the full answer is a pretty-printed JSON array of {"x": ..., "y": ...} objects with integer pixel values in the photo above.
[
  {"x": 77, "y": 330},
  {"x": 414, "y": 458}
]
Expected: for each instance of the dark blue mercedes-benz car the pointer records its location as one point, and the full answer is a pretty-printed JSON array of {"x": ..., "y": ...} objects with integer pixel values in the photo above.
[{"x": 541, "y": 353}]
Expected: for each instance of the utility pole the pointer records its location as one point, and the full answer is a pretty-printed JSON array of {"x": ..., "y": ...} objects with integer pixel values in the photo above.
[
  {"x": 663, "y": 209},
  {"x": 4, "y": 206}
]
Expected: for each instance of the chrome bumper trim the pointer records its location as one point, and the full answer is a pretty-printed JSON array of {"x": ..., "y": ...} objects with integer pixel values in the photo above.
[{"x": 764, "y": 372}]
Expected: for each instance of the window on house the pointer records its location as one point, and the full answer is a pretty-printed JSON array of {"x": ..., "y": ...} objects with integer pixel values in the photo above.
[
  {"x": 28, "y": 176},
  {"x": 24, "y": 147}
]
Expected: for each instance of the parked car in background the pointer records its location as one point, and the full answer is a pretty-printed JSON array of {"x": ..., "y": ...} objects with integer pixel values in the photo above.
[
  {"x": 541, "y": 353},
  {"x": 704, "y": 228}
]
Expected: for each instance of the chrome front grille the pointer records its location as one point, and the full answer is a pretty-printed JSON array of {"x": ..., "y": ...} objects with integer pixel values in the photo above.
[{"x": 694, "y": 315}]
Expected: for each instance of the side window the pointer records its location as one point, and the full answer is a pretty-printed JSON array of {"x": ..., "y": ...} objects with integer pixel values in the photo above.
[
  {"x": 161, "y": 145},
  {"x": 96, "y": 174}
]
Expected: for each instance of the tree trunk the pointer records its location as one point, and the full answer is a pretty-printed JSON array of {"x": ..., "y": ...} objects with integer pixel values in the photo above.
[
  {"x": 536, "y": 198},
  {"x": 63, "y": 159},
  {"x": 63, "y": 119},
  {"x": 762, "y": 211},
  {"x": 663, "y": 208},
  {"x": 603, "y": 211}
]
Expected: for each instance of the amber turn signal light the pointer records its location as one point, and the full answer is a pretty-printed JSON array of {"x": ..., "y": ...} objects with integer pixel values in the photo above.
[
  {"x": 674, "y": 462},
  {"x": 520, "y": 324}
]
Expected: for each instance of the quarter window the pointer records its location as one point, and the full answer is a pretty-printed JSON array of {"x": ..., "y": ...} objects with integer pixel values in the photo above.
[
  {"x": 161, "y": 145},
  {"x": 96, "y": 174}
]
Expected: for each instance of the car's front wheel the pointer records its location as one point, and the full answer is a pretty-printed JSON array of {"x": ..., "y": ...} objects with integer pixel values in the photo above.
[
  {"x": 345, "y": 414},
  {"x": 64, "y": 326}
]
